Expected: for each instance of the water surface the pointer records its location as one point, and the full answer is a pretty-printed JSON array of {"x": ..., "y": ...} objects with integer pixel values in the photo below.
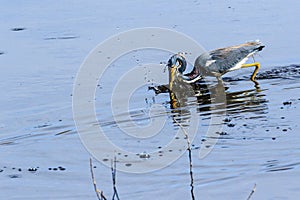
[{"x": 42, "y": 47}]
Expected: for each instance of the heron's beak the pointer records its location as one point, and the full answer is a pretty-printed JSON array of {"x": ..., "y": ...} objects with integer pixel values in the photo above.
[{"x": 172, "y": 71}]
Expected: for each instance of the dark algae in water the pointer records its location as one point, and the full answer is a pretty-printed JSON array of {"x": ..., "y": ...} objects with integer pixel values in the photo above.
[{"x": 18, "y": 29}]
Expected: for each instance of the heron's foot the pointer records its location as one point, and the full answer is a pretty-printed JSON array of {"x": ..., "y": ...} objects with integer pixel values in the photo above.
[{"x": 256, "y": 84}]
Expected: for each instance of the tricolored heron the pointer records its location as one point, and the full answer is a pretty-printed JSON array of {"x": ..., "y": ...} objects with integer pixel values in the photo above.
[{"x": 214, "y": 63}]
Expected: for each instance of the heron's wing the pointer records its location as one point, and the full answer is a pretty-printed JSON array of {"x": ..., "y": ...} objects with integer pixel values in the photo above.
[{"x": 224, "y": 59}]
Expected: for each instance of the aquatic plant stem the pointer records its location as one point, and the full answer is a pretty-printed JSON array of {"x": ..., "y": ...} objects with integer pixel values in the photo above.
[
  {"x": 190, "y": 158},
  {"x": 252, "y": 192},
  {"x": 99, "y": 193},
  {"x": 113, "y": 173}
]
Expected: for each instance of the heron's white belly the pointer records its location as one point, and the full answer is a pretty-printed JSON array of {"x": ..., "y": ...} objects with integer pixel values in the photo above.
[{"x": 239, "y": 64}]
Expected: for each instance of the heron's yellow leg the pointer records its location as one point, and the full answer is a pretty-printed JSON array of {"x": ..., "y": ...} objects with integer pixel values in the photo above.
[{"x": 256, "y": 65}]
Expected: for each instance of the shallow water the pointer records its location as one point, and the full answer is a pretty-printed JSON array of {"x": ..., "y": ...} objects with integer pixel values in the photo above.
[{"x": 41, "y": 49}]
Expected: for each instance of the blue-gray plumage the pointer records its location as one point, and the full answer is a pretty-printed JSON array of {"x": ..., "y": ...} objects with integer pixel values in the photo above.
[{"x": 217, "y": 62}]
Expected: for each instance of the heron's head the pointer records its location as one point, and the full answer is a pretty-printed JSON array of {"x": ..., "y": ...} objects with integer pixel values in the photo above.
[
  {"x": 176, "y": 66},
  {"x": 177, "y": 63}
]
